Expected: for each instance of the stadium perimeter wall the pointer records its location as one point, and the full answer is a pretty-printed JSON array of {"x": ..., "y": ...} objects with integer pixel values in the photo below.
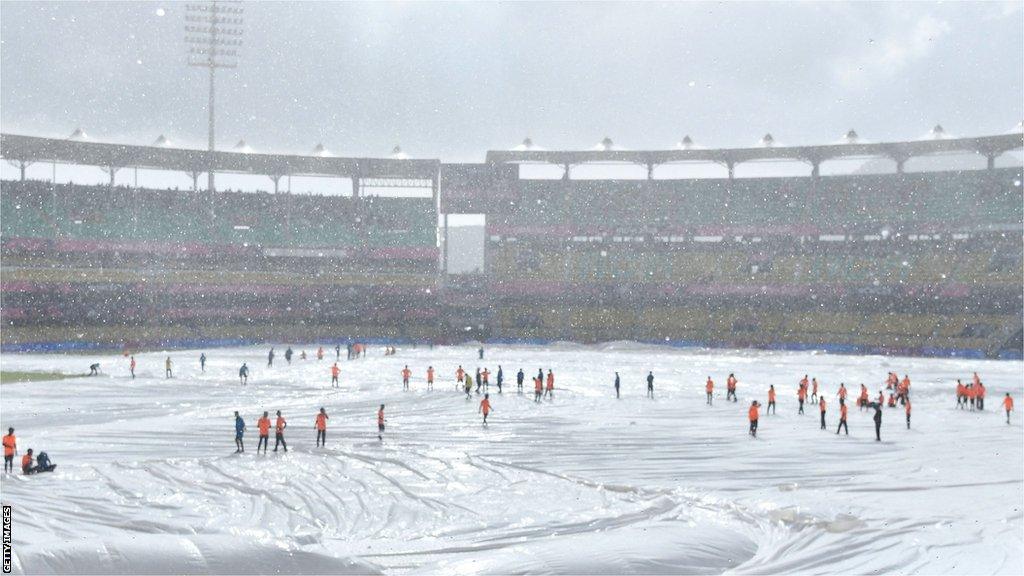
[{"x": 209, "y": 343}]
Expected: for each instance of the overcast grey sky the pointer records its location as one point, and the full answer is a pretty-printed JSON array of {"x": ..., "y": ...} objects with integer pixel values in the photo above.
[{"x": 454, "y": 80}]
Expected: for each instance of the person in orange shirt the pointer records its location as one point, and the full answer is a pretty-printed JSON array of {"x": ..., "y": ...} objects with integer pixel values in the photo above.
[
  {"x": 842, "y": 392},
  {"x": 380, "y": 423},
  {"x": 485, "y": 407},
  {"x": 980, "y": 393},
  {"x": 814, "y": 389},
  {"x": 730, "y": 388},
  {"x": 960, "y": 394},
  {"x": 842, "y": 418},
  {"x": 335, "y": 371},
  {"x": 486, "y": 375},
  {"x": 801, "y": 395},
  {"x": 971, "y": 393},
  {"x": 430, "y": 378},
  {"x": 10, "y": 449},
  {"x": 26, "y": 463},
  {"x": 709, "y": 389},
  {"x": 771, "y": 399},
  {"x": 321, "y": 427},
  {"x": 279, "y": 427},
  {"x": 863, "y": 399},
  {"x": 907, "y": 408},
  {"x": 881, "y": 398},
  {"x": 460, "y": 374},
  {"x": 822, "y": 406},
  {"x": 264, "y": 425},
  {"x": 1008, "y": 406},
  {"x": 903, "y": 391},
  {"x": 406, "y": 373},
  {"x": 752, "y": 415},
  {"x": 538, "y": 388},
  {"x": 550, "y": 390}
]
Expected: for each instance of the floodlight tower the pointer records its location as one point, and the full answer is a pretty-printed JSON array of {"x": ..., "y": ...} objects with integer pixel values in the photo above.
[{"x": 213, "y": 36}]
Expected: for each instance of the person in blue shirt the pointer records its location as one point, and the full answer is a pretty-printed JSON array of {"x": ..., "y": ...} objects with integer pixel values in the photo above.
[{"x": 239, "y": 431}]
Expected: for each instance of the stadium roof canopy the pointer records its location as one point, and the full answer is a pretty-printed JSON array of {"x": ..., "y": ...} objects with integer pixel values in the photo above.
[
  {"x": 28, "y": 149},
  {"x": 989, "y": 146},
  {"x": 91, "y": 153}
]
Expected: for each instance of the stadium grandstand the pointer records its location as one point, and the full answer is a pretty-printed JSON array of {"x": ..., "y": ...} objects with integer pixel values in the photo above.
[
  {"x": 920, "y": 263},
  {"x": 106, "y": 265}
]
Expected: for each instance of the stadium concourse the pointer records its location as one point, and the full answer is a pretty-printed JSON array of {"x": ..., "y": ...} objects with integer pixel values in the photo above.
[
  {"x": 148, "y": 481},
  {"x": 913, "y": 263}
]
